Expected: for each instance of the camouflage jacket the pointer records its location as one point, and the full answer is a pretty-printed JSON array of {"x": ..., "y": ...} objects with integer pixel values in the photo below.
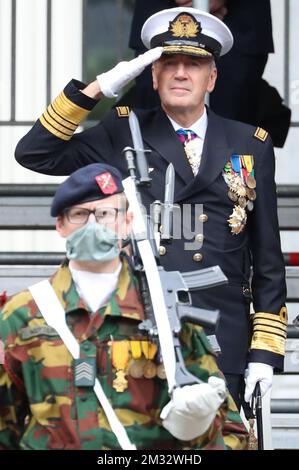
[{"x": 42, "y": 408}]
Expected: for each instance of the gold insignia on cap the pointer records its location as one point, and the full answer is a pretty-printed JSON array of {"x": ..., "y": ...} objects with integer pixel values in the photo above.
[
  {"x": 260, "y": 134},
  {"x": 123, "y": 111},
  {"x": 184, "y": 26}
]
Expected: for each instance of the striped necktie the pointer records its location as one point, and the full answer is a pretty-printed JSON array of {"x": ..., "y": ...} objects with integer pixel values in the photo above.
[{"x": 187, "y": 137}]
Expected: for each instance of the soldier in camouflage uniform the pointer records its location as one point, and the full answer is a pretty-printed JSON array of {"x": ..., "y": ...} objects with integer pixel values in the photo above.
[{"x": 41, "y": 406}]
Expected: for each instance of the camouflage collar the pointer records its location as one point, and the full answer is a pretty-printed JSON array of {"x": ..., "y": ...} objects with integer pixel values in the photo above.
[{"x": 124, "y": 301}]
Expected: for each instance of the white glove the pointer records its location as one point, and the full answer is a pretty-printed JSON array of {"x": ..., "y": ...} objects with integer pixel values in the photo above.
[
  {"x": 257, "y": 372},
  {"x": 114, "y": 80},
  {"x": 193, "y": 408}
]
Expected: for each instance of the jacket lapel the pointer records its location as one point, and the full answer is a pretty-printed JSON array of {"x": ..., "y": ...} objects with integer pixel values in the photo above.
[{"x": 216, "y": 152}]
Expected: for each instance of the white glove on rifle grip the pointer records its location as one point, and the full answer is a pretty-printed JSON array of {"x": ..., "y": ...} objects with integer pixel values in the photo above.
[
  {"x": 114, "y": 80},
  {"x": 193, "y": 408},
  {"x": 257, "y": 372}
]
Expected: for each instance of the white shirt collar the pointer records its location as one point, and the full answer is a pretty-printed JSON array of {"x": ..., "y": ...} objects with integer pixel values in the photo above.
[
  {"x": 199, "y": 126},
  {"x": 95, "y": 288}
]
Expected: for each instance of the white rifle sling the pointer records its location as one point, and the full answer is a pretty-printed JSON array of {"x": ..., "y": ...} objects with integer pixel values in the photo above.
[
  {"x": 51, "y": 309},
  {"x": 154, "y": 284}
]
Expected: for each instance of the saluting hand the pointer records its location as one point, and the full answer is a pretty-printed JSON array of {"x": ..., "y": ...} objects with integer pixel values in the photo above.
[{"x": 114, "y": 80}]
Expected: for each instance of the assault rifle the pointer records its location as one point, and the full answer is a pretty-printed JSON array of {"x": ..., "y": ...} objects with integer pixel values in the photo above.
[{"x": 165, "y": 294}]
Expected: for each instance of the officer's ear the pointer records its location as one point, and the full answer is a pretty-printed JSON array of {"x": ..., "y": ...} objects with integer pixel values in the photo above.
[
  {"x": 154, "y": 76},
  {"x": 129, "y": 222},
  {"x": 60, "y": 226},
  {"x": 126, "y": 236},
  {"x": 212, "y": 78}
]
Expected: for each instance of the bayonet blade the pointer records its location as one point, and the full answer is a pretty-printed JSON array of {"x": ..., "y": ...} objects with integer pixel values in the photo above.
[
  {"x": 144, "y": 179},
  {"x": 169, "y": 185},
  {"x": 167, "y": 218}
]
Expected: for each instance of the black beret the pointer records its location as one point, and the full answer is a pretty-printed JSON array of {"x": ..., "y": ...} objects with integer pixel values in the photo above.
[{"x": 92, "y": 182}]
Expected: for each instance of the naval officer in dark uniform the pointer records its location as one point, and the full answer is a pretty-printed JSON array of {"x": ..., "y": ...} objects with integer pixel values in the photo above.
[
  {"x": 237, "y": 90},
  {"x": 223, "y": 165}
]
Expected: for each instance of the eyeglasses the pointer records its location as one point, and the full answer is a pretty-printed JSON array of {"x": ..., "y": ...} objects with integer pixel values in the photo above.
[{"x": 103, "y": 215}]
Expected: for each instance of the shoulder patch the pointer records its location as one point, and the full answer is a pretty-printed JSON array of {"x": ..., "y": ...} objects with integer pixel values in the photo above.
[
  {"x": 123, "y": 111},
  {"x": 260, "y": 134},
  {"x": 3, "y": 298}
]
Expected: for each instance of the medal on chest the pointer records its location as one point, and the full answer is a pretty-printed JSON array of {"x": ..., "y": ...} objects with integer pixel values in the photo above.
[
  {"x": 193, "y": 153},
  {"x": 238, "y": 174},
  {"x": 142, "y": 362},
  {"x": 120, "y": 359}
]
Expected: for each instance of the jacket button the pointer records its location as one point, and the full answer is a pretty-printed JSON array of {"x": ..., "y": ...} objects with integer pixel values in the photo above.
[
  {"x": 197, "y": 257},
  {"x": 162, "y": 250},
  {"x": 199, "y": 237},
  {"x": 203, "y": 218}
]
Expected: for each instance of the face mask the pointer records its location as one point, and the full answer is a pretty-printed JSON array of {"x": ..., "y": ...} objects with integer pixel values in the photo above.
[{"x": 92, "y": 242}]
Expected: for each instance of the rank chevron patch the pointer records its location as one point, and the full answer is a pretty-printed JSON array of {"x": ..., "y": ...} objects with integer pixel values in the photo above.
[{"x": 85, "y": 372}]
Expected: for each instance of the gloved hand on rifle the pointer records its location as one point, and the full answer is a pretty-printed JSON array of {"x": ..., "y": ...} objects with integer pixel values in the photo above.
[
  {"x": 114, "y": 80},
  {"x": 193, "y": 408}
]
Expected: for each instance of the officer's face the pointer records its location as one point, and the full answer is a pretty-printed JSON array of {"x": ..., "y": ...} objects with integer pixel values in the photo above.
[
  {"x": 111, "y": 212},
  {"x": 182, "y": 81}
]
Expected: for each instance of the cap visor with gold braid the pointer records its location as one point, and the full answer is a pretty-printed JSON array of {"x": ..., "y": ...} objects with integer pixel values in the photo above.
[{"x": 187, "y": 31}]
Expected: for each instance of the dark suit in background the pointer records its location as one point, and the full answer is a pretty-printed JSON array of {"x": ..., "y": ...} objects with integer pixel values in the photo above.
[{"x": 236, "y": 93}]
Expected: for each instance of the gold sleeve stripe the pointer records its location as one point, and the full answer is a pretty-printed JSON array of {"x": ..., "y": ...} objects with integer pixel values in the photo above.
[
  {"x": 62, "y": 117},
  {"x": 56, "y": 125},
  {"x": 269, "y": 329},
  {"x": 60, "y": 110},
  {"x": 268, "y": 342},
  {"x": 57, "y": 117},
  {"x": 53, "y": 130},
  {"x": 272, "y": 316},
  {"x": 71, "y": 111},
  {"x": 67, "y": 113},
  {"x": 276, "y": 325}
]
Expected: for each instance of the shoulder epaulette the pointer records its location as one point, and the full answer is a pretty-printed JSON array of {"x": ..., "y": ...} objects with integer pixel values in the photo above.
[
  {"x": 123, "y": 111},
  {"x": 260, "y": 134}
]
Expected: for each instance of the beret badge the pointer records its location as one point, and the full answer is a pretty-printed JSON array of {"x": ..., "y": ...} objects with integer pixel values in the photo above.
[{"x": 106, "y": 183}]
